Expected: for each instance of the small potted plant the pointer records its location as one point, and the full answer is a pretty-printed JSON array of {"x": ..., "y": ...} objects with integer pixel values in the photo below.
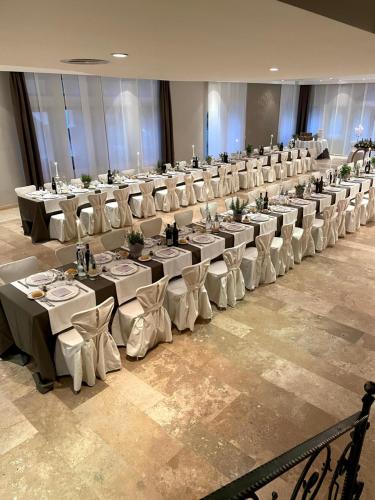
[
  {"x": 209, "y": 159},
  {"x": 300, "y": 190},
  {"x": 345, "y": 172},
  {"x": 249, "y": 149},
  {"x": 86, "y": 180},
  {"x": 237, "y": 208},
  {"x": 136, "y": 244}
]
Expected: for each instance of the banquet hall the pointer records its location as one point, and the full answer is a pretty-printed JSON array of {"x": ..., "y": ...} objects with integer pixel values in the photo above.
[{"x": 187, "y": 257}]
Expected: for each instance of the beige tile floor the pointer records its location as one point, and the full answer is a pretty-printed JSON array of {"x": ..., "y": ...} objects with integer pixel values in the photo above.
[{"x": 290, "y": 360}]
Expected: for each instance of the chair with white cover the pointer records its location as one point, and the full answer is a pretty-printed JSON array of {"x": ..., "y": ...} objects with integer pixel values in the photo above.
[
  {"x": 276, "y": 249},
  {"x": 18, "y": 269},
  {"x": 48, "y": 186},
  {"x": 302, "y": 240},
  {"x": 77, "y": 182},
  {"x": 114, "y": 239},
  {"x": 119, "y": 211},
  {"x": 371, "y": 204},
  {"x": 65, "y": 226},
  {"x": 248, "y": 267},
  {"x": 225, "y": 283},
  {"x": 353, "y": 215},
  {"x": 167, "y": 199},
  {"x": 305, "y": 161},
  {"x": 187, "y": 196},
  {"x": 324, "y": 230},
  {"x": 363, "y": 215},
  {"x": 21, "y": 191},
  {"x": 342, "y": 206},
  {"x": 187, "y": 299},
  {"x": 265, "y": 272},
  {"x": 259, "y": 180},
  {"x": 95, "y": 218},
  {"x": 234, "y": 180},
  {"x": 88, "y": 351},
  {"x": 128, "y": 173},
  {"x": 152, "y": 227},
  {"x": 223, "y": 185},
  {"x": 143, "y": 205},
  {"x": 292, "y": 165},
  {"x": 287, "y": 255},
  {"x": 144, "y": 322},
  {"x": 212, "y": 208},
  {"x": 66, "y": 254},
  {"x": 247, "y": 177},
  {"x": 184, "y": 218},
  {"x": 203, "y": 189}
]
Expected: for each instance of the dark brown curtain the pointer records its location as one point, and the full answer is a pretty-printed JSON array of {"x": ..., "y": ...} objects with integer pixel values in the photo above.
[
  {"x": 26, "y": 131},
  {"x": 303, "y": 108},
  {"x": 166, "y": 123}
]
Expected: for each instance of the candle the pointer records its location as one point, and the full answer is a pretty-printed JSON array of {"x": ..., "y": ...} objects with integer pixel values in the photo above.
[
  {"x": 57, "y": 173},
  {"x": 79, "y": 241},
  {"x": 193, "y": 150}
]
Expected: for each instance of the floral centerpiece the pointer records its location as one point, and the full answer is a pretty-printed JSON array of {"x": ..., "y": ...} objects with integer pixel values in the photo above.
[
  {"x": 249, "y": 149},
  {"x": 136, "y": 243},
  {"x": 300, "y": 190},
  {"x": 345, "y": 172},
  {"x": 365, "y": 144},
  {"x": 237, "y": 208},
  {"x": 86, "y": 179},
  {"x": 259, "y": 203},
  {"x": 209, "y": 159}
]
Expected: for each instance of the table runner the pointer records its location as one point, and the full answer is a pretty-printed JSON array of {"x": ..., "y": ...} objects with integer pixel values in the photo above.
[
  {"x": 61, "y": 312},
  {"x": 173, "y": 266},
  {"x": 352, "y": 187},
  {"x": 211, "y": 250},
  {"x": 244, "y": 236}
]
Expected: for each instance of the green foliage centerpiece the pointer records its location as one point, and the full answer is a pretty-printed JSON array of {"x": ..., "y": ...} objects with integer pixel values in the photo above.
[
  {"x": 300, "y": 190},
  {"x": 237, "y": 206},
  {"x": 136, "y": 244},
  {"x": 86, "y": 179},
  {"x": 345, "y": 172}
]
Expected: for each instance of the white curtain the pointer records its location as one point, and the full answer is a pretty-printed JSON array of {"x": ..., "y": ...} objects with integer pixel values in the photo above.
[
  {"x": 288, "y": 112},
  {"x": 338, "y": 109},
  {"x": 226, "y": 117},
  {"x": 89, "y": 124}
]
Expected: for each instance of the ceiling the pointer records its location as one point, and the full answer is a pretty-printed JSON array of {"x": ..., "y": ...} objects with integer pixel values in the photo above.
[{"x": 217, "y": 40}]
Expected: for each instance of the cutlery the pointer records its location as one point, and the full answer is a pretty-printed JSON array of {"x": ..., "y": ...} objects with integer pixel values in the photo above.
[
  {"x": 23, "y": 284},
  {"x": 83, "y": 289},
  {"x": 46, "y": 301}
]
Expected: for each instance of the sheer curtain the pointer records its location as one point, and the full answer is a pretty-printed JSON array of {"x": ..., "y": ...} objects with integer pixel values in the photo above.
[
  {"x": 89, "y": 124},
  {"x": 338, "y": 109},
  {"x": 288, "y": 112},
  {"x": 226, "y": 117}
]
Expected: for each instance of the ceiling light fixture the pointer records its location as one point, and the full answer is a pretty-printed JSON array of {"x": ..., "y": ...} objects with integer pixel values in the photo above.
[
  {"x": 119, "y": 55},
  {"x": 274, "y": 69},
  {"x": 84, "y": 61},
  {"x": 331, "y": 78}
]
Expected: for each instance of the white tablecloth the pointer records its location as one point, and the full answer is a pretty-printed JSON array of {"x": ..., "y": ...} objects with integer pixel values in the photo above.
[
  {"x": 289, "y": 217},
  {"x": 354, "y": 187},
  {"x": 309, "y": 206},
  {"x": 324, "y": 200},
  {"x": 211, "y": 250},
  {"x": 61, "y": 313},
  {"x": 244, "y": 236},
  {"x": 365, "y": 184},
  {"x": 316, "y": 146},
  {"x": 340, "y": 193},
  {"x": 174, "y": 266},
  {"x": 126, "y": 286}
]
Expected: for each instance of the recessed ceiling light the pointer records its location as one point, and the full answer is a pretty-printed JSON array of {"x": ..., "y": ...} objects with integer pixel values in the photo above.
[
  {"x": 84, "y": 61},
  {"x": 274, "y": 69},
  {"x": 119, "y": 55},
  {"x": 331, "y": 78}
]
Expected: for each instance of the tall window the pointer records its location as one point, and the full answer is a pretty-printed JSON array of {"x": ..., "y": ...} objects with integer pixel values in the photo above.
[
  {"x": 338, "y": 110},
  {"x": 89, "y": 124},
  {"x": 288, "y": 112},
  {"x": 226, "y": 117}
]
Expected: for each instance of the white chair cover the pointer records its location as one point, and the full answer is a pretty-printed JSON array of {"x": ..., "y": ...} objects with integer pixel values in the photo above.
[
  {"x": 249, "y": 175},
  {"x": 303, "y": 244},
  {"x": 183, "y": 219},
  {"x": 148, "y": 203},
  {"x": 66, "y": 254},
  {"x": 76, "y": 182},
  {"x": 259, "y": 173},
  {"x": 151, "y": 228},
  {"x": 114, "y": 239},
  {"x": 187, "y": 298},
  {"x": 265, "y": 271},
  {"x": 325, "y": 234},
  {"x": 371, "y": 205},
  {"x": 69, "y": 208},
  {"x": 188, "y": 195},
  {"x": 287, "y": 255},
  {"x": 234, "y": 180},
  {"x": 235, "y": 281},
  {"x": 96, "y": 220},
  {"x": 122, "y": 216},
  {"x": 248, "y": 267},
  {"x": 170, "y": 201},
  {"x": 353, "y": 215},
  {"x": 20, "y": 191},
  {"x": 207, "y": 186},
  {"x": 342, "y": 205},
  {"x": 212, "y": 207},
  {"x": 154, "y": 325},
  {"x": 18, "y": 269},
  {"x": 93, "y": 353}
]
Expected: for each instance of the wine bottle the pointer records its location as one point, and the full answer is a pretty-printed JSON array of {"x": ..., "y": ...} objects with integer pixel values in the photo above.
[
  {"x": 109, "y": 177},
  {"x": 208, "y": 222},
  {"x": 175, "y": 234},
  {"x": 281, "y": 147},
  {"x": 321, "y": 185},
  {"x": 266, "y": 201},
  {"x": 261, "y": 150},
  {"x": 53, "y": 186},
  {"x": 87, "y": 257},
  {"x": 169, "y": 236},
  {"x": 216, "y": 224}
]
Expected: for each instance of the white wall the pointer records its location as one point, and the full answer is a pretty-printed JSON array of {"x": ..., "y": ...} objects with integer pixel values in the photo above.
[
  {"x": 189, "y": 108},
  {"x": 11, "y": 172}
]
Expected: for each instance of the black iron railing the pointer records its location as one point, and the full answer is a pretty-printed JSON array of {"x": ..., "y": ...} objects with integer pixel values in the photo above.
[{"x": 328, "y": 480}]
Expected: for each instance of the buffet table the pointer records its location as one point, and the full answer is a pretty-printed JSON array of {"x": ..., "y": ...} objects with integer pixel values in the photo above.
[{"x": 316, "y": 147}]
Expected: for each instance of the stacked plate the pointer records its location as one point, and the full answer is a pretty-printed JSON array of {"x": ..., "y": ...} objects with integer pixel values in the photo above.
[
  {"x": 61, "y": 293},
  {"x": 41, "y": 279},
  {"x": 124, "y": 269},
  {"x": 203, "y": 239},
  {"x": 166, "y": 253},
  {"x": 103, "y": 258},
  {"x": 259, "y": 218}
]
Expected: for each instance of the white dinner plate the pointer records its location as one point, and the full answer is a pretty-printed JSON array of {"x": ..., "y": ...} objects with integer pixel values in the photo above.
[
  {"x": 79, "y": 191},
  {"x": 166, "y": 253},
  {"x": 41, "y": 279},
  {"x": 235, "y": 228},
  {"x": 103, "y": 258},
  {"x": 203, "y": 239},
  {"x": 124, "y": 269},
  {"x": 149, "y": 242},
  {"x": 299, "y": 201},
  {"x": 259, "y": 218},
  {"x": 282, "y": 210},
  {"x": 62, "y": 292}
]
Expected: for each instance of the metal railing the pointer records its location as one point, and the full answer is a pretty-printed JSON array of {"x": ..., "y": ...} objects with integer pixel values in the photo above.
[{"x": 342, "y": 484}]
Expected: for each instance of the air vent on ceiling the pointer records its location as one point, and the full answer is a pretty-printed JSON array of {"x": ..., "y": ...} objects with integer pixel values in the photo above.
[{"x": 84, "y": 61}]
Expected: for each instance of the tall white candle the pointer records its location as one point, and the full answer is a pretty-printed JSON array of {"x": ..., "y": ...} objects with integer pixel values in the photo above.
[
  {"x": 79, "y": 241},
  {"x": 56, "y": 173},
  {"x": 193, "y": 150}
]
